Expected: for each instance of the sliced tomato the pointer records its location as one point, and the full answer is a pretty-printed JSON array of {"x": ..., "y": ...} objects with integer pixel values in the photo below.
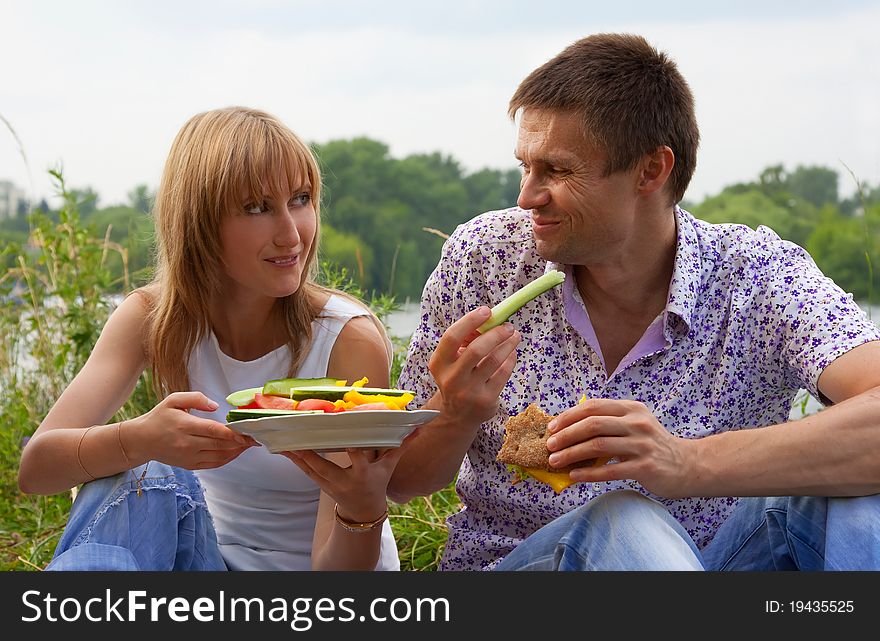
[
  {"x": 250, "y": 406},
  {"x": 370, "y": 406},
  {"x": 318, "y": 404},
  {"x": 266, "y": 402}
]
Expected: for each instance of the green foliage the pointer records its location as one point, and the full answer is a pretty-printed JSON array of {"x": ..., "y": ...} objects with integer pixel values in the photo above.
[
  {"x": 752, "y": 208},
  {"x": 420, "y": 528},
  {"x": 126, "y": 227},
  {"x": 387, "y": 203},
  {"x": 346, "y": 251},
  {"x": 802, "y": 206},
  {"x": 54, "y": 300}
]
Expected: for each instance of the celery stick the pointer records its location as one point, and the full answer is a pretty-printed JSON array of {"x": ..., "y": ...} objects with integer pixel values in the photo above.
[{"x": 503, "y": 310}]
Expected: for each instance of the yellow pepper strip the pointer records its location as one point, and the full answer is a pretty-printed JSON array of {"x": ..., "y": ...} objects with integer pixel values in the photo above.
[
  {"x": 343, "y": 404},
  {"x": 393, "y": 402},
  {"x": 360, "y": 383},
  {"x": 338, "y": 384}
]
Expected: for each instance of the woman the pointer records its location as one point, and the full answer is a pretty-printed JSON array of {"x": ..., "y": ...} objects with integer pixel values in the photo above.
[{"x": 233, "y": 304}]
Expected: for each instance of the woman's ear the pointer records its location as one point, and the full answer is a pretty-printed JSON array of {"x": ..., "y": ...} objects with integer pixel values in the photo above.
[{"x": 655, "y": 170}]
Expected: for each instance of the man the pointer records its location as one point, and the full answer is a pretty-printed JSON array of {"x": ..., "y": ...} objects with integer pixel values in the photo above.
[{"x": 681, "y": 334}]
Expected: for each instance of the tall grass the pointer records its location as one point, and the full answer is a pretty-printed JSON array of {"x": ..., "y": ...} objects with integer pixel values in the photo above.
[{"x": 53, "y": 304}]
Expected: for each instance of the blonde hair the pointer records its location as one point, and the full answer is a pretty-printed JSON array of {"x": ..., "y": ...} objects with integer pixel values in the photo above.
[{"x": 216, "y": 157}]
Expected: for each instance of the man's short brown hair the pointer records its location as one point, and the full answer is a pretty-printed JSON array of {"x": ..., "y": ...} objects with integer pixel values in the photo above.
[{"x": 630, "y": 97}]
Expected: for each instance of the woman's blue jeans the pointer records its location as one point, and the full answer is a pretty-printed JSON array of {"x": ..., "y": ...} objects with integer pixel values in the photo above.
[
  {"x": 624, "y": 530},
  {"x": 158, "y": 523}
]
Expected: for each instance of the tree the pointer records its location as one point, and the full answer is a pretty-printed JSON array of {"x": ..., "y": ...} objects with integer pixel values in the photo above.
[
  {"x": 86, "y": 201},
  {"x": 346, "y": 251},
  {"x": 848, "y": 251},
  {"x": 141, "y": 199},
  {"x": 816, "y": 185},
  {"x": 754, "y": 208},
  {"x": 386, "y": 204}
]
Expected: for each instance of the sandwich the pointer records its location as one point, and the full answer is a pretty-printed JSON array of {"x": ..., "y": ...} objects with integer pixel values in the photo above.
[{"x": 525, "y": 450}]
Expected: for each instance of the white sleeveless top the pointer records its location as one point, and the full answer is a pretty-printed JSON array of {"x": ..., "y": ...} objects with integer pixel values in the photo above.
[{"x": 263, "y": 506}]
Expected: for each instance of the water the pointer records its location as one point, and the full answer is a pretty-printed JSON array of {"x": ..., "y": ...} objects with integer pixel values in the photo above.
[{"x": 403, "y": 322}]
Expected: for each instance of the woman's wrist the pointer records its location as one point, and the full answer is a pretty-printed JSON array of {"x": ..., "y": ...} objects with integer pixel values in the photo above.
[
  {"x": 128, "y": 443},
  {"x": 358, "y": 525}
]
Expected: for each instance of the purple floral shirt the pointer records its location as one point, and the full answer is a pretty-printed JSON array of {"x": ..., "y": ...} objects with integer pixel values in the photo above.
[{"x": 749, "y": 321}]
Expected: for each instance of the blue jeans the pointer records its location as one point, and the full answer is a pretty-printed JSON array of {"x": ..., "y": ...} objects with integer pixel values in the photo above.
[
  {"x": 164, "y": 526},
  {"x": 624, "y": 530}
]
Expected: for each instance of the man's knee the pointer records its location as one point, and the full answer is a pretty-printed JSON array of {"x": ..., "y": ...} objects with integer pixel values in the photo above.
[{"x": 625, "y": 530}]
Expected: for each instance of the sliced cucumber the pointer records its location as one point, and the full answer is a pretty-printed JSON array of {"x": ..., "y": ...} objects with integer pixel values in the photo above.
[
  {"x": 243, "y": 397},
  {"x": 240, "y": 415},
  {"x": 503, "y": 310},
  {"x": 282, "y": 386},
  {"x": 336, "y": 392}
]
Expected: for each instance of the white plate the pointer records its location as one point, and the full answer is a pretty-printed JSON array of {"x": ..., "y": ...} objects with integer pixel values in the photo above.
[{"x": 333, "y": 432}]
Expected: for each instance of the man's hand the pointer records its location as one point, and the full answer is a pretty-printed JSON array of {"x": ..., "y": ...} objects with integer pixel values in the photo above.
[
  {"x": 471, "y": 369},
  {"x": 626, "y": 431}
]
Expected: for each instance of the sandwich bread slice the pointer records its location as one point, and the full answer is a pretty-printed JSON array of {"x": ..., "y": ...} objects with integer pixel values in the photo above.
[{"x": 525, "y": 448}]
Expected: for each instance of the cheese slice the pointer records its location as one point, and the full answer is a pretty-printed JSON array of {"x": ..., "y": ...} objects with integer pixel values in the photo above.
[{"x": 557, "y": 480}]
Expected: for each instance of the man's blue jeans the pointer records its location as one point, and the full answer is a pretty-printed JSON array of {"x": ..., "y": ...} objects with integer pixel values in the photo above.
[
  {"x": 624, "y": 530},
  {"x": 164, "y": 526}
]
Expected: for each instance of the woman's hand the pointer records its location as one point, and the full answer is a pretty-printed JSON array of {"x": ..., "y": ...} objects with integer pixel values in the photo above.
[
  {"x": 471, "y": 369},
  {"x": 358, "y": 488},
  {"x": 628, "y": 432},
  {"x": 170, "y": 434}
]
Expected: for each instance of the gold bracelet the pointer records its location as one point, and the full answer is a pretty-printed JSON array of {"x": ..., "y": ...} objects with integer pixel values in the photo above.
[
  {"x": 351, "y": 526},
  {"x": 79, "y": 455},
  {"x": 119, "y": 440}
]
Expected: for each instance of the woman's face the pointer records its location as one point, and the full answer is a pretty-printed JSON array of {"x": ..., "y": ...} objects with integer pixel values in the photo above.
[{"x": 266, "y": 241}]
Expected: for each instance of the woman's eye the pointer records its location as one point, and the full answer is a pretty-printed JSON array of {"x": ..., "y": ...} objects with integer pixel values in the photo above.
[
  {"x": 255, "y": 208},
  {"x": 300, "y": 200}
]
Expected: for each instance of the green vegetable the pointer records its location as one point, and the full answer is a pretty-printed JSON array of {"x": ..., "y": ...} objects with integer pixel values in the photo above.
[
  {"x": 240, "y": 415},
  {"x": 336, "y": 392},
  {"x": 243, "y": 397},
  {"x": 283, "y": 386},
  {"x": 503, "y": 310}
]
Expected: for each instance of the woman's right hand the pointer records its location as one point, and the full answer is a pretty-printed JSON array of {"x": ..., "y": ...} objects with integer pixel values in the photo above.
[{"x": 170, "y": 434}]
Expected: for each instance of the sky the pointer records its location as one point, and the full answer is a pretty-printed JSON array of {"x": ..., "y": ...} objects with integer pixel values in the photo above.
[{"x": 100, "y": 88}]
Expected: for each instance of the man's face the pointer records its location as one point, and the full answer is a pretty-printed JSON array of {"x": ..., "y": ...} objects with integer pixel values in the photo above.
[{"x": 579, "y": 217}]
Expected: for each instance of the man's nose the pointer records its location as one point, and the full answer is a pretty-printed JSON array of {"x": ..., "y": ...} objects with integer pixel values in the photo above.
[{"x": 532, "y": 193}]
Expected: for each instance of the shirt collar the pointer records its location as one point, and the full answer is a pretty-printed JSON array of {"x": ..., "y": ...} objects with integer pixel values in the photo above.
[
  {"x": 686, "y": 271},
  {"x": 683, "y": 287}
]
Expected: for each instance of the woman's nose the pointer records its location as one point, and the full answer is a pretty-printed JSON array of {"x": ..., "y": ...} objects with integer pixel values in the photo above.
[{"x": 286, "y": 234}]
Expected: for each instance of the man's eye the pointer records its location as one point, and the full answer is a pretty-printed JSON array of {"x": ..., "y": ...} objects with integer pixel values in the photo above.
[
  {"x": 255, "y": 208},
  {"x": 300, "y": 200}
]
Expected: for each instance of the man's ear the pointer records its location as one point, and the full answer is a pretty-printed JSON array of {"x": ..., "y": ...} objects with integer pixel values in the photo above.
[{"x": 655, "y": 169}]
